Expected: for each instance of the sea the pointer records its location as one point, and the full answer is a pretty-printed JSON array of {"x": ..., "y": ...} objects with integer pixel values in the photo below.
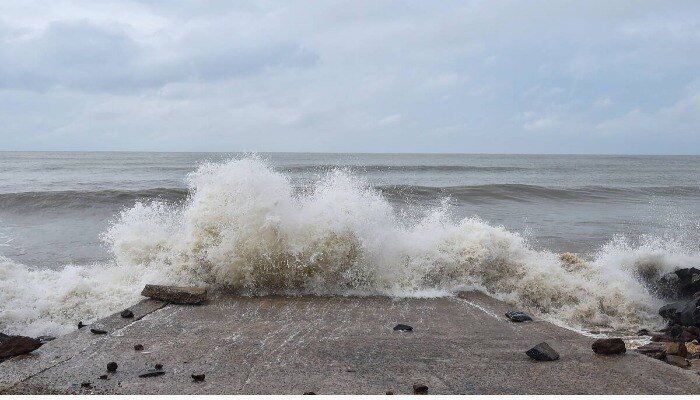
[{"x": 580, "y": 240}]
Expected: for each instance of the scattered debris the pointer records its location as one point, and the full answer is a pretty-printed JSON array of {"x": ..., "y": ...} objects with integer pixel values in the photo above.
[
  {"x": 198, "y": 377},
  {"x": 403, "y": 328},
  {"x": 420, "y": 388},
  {"x": 176, "y": 294},
  {"x": 127, "y": 314},
  {"x": 98, "y": 331},
  {"x": 542, "y": 352},
  {"x": 17, "y": 345},
  {"x": 151, "y": 374},
  {"x": 518, "y": 316},
  {"x": 112, "y": 366},
  {"x": 609, "y": 346},
  {"x": 159, "y": 366},
  {"x": 138, "y": 347}
]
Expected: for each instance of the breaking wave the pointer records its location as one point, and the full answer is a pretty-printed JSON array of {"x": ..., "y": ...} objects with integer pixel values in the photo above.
[{"x": 244, "y": 227}]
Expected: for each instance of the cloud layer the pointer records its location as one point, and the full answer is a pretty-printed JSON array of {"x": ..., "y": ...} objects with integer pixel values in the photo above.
[{"x": 370, "y": 76}]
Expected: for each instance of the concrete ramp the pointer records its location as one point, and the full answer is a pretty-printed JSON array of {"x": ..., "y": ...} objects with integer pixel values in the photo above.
[{"x": 280, "y": 345}]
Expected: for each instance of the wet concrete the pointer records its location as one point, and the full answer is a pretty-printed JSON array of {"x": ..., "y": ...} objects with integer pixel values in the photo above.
[{"x": 277, "y": 345}]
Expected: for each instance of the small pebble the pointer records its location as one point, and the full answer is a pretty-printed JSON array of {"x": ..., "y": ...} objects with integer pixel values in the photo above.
[
  {"x": 420, "y": 388},
  {"x": 151, "y": 374},
  {"x": 403, "y": 328},
  {"x": 86, "y": 385},
  {"x": 98, "y": 331},
  {"x": 159, "y": 366},
  {"x": 309, "y": 393},
  {"x": 112, "y": 366},
  {"x": 138, "y": 347},
  {"x": 389, "y": 392},
  {"x": 127, "y": 314},
  {"x": 198, "y": 377},
  {"x": 103, "y": 377},
  {"x": 81, "y": 325}
]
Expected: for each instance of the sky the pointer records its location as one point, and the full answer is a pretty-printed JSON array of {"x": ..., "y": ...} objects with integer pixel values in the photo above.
[{"x": 601, "y": 77}]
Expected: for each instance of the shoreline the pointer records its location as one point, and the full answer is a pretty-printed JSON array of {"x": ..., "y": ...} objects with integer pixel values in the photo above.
[{"x": 332, "y": 345}]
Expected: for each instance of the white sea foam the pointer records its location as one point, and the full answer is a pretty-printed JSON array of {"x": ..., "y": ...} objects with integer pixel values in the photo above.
[{"x": 245, "y": 228}]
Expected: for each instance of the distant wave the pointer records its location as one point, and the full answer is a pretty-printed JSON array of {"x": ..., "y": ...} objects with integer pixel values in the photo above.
[
  {"x": 476, "y": 194},
  {"x": 399, "y": 168},
  {"x": 525, "y": 193},
  {"x": 69, "y": 199}
]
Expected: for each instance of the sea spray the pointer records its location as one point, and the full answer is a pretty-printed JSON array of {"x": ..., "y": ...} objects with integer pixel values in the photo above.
[{"x": 244, "y": 227}]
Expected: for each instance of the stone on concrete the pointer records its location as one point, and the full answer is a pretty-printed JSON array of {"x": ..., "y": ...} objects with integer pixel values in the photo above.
[
  {"x": 518, "y": 316},
  {"x": 543, "y": 352},
  {"x": 420, "y": 388},
  {"x": 403, "y": 328},
  {"x": 176, "y": 294},
  {"x": 17, "y": 345},
  {"x": 609, "y": 346},
  {"x": 127, "y": 314}
]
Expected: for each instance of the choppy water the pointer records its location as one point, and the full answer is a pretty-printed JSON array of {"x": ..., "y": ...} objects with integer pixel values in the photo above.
[{"x": 81, "y": 232}]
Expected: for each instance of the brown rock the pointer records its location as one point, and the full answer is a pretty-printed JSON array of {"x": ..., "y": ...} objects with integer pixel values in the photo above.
[
  {"x": 677, "y": 361},
  {"x": 17, "y": 345},
  {"x": 651, "y": 348},
  {"x": 661, "y": 338},
  {"x": 609, "y": 346},
  {"x": 693, "y": 349},
  {"x": 176, "y": 294},
  {"x": 138, "y": 347},
  {"x": 676, "y": 349}
]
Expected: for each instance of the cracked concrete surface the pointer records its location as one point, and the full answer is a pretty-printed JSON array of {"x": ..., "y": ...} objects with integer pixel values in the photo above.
[{"x": 336, "y": 345}]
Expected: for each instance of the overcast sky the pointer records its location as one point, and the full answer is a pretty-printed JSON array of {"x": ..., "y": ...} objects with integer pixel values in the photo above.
[{"x": 351, "y": 76}]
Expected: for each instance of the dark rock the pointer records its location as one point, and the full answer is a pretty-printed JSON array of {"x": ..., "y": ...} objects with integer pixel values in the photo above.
[
  {"x": 672, "y": 311},
  {"x": 3, "y": 337},
  {"x": 661, "y": 338},
  {"x": 677, "y": 361},
  {"x": 542, "y": 352},
  {"x": 609, "y": 346},
  {"x": 643, "y": 332},
  {"x": 81, "y": 325},
  {"x": 676, "y": 349},
  {"x": 103, "y": 377},
  {"x": 176, "y": 294},
  {"x": 687, "y": 336},
  {"x": 403, "y": 328},
  {"x": 198, "y": 377},
  {"x": 98, "y": 331},
  {"x": 307, "y": 393},
  {"x": 112, "y": 366},
  {"x": 420, "y": 388},
  {"x": 389, "y": 392},
  {"x": 86, "y": 385},
  {"x": 690, "y": 313},
  {"x": 45, "y": 339},
  {"x": 18, "y": 345},
  {"x": 127, "y": 314},
  {"x": 688, "y": 281},
  {"x": 518, "y": 316},
  {"x": 674, "y": 330},
  {"x": 138, "y": 347},
  {"x": 159, "y": 366},
  {"x": 151, "y": 374}
]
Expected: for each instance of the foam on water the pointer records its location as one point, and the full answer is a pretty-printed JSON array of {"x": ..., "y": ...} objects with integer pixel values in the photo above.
[{"x": 244, "y": 227}]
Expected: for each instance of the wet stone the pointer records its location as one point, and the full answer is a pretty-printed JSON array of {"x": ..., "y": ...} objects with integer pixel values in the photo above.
[
  {"x": 151, "y": 374},
  {"x": 403, "y": 328},
  {"x": 198, "y": 377},
  {"x": 103, "y": 377},
  {"x": 86, "y": 385},
  {"x": 159, "y": 366},
  {"x": 98, "y": 331},
  {"x": 127, "y": 314},
  {"x": 518, "y": 316},
  {"x": 609, "y": 346},
  {"x": 420, "y": 388},
  {"x": 542, "y": 352},
  {"x": 17, "y": 345},
  {"x": 676, "y": 349},
  {"x": 138, "y": 347},
  {"x": 175, "y": 294},
  {"x": 112, "y": 366}
]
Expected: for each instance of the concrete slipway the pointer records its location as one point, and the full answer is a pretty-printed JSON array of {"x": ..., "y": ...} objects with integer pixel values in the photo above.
[{"x": 281, "y": 345}]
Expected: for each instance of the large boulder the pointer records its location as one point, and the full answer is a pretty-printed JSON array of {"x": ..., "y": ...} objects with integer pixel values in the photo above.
[
  {"x": 17, "y": 345},
  {"x": 686, "y": 313},
  {"x": 176, "y": 294},
  {"x": 688, "y": 281}
]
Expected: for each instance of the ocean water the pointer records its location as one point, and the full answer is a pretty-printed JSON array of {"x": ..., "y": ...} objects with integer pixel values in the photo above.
[{"x": 575, "y": 239}]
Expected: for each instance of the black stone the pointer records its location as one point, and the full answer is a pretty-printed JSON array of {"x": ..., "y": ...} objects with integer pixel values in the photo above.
[
  {"x": 688, "y": 281},
  {"x": 18, "y": 345},
  {"x": 81, "y": 325},
  {"x": 420, "y": 388},
  {"x": 643, "y": 332},
  {"x": 518, "y": 316},
  {"x": 306, "y": 393},
  {"x": 86, "y": 385},
  {"x": 403, "y": 328},
  {"x": 98, "y": 331},
  {"x": 159, "y": 366},
  {"x": 127, "y": 314},
  {"x": 112, "y": 366},
  {"x": 138, "y": 347},
  {"x": 198, "y": 377},
  {"x": 609, "y": 346},
  {"x": 103, "y": 377},
  {"x": 151, "y": 374},
  {"x": 542, "y": 352}
]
